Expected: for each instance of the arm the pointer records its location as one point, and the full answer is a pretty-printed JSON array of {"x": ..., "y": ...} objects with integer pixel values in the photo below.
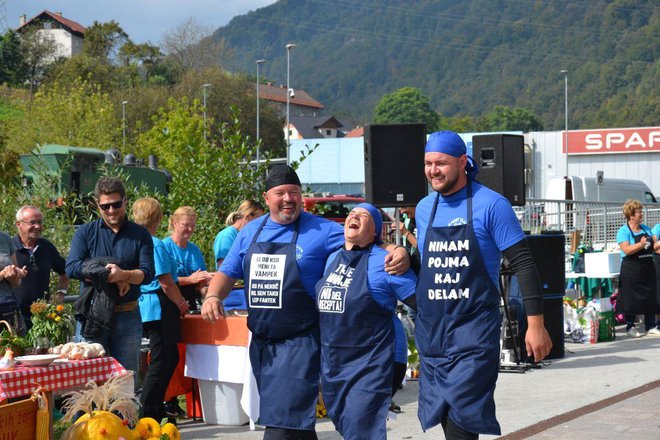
[
  {"x": 537, "y": 340},
  {"x": 630, "y": 249},
  {"x": 78, "y": 253},
  {"x": 12, "y": 273},
  {"x": 397, "y": 261},
  {"x": 218, "y": 290},
  {"x": 172, "y": 292}
]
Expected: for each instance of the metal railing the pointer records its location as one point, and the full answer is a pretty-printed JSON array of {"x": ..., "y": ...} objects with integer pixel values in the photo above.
[{"x": 597, "y": 222}]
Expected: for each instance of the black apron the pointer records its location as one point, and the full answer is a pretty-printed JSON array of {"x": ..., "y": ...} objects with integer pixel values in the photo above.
[
  {"x": 637, "y": 280},
  {"x": 284, "y": 351},
  {"x": 357, "y": 348},
  {"x": 457, "y": 329}
]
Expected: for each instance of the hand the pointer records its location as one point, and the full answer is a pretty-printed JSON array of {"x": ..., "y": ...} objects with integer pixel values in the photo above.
[
  {"x": 116, "y": 273},
  {"x": 537, "y": 339},
  {"x": 183, "y": 306},
  {"x": 397, "y": 262},
  {"x": 123, "y": 287},
  {"x": 212, "y": 309},
  {"x": 21, "y": 272},
  {"x": 200, "y": 276}
]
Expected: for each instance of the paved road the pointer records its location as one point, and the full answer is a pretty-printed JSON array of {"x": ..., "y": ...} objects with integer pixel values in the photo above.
[{"x": 609, "y": 390}]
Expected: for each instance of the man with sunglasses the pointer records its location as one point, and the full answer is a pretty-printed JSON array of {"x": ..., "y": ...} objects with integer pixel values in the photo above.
[
  {"x": 113, "y": 235},
  {"x": 39, "y": 256}
]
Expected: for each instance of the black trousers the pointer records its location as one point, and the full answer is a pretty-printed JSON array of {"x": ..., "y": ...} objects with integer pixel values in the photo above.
[
  {"x": 454, "y": 432},
  {"x": 164, "y": 359}
]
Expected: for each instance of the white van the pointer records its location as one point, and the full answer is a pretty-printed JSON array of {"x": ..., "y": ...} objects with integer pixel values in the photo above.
[
  {"x": 599, "y": 221},
  {"x": 580, "y": 188}
]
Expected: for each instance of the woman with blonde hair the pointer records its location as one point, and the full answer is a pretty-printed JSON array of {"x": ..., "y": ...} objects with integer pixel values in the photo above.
[
  {"x": 161, "y": 304},
  {"x": 247, "y": 211},
  {"x": 191, "y": 268},
  {"x": 637, "y": 278}
]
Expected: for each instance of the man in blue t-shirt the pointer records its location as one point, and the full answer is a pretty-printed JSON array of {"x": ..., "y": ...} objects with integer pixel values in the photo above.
[
  {"x": 281, "y": 256},
  {"x": 462, "y": 229}
]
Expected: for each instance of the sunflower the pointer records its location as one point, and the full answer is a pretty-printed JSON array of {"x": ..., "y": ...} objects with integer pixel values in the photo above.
[
  {"x": 171, "y": 431},
  {"x": 147, "y": 428}
]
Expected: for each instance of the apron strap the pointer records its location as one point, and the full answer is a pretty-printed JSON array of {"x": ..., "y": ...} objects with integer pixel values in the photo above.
[
  {"x": 294, "y": 238},
  {"x": 435, "y": 206}
]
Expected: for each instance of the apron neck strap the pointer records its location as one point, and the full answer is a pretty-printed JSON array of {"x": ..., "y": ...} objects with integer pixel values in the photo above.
[
  {"x": 294, "y": 237},
  {"x": 469, "y": 206}
]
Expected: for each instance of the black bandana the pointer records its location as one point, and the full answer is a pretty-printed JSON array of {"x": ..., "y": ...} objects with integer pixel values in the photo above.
[{"x": 282, "y": 175}]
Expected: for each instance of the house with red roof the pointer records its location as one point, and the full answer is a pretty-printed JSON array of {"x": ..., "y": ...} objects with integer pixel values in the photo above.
[{"x": 67, "y": 34}]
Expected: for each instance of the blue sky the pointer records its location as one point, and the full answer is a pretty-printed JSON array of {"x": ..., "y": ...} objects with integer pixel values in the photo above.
[{"x": 143, "y": 20}]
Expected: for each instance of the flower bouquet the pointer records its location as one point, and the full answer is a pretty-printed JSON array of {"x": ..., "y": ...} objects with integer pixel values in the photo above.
[{"x": 53, "y": 322}]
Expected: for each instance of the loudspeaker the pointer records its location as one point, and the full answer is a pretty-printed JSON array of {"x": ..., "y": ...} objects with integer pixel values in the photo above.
[
  {"x": 501, "y": 160},
  {"x": 548, "y": 252},
  {"x": 394, "y": 164},
  {"x": 553, "y": 318}
]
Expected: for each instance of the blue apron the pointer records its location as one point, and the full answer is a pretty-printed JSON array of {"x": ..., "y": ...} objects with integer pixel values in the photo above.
[
  {"x": 357, "y": 348},
  {"x": 284, "y": 351},
  {"x": 457, "y": 329}
]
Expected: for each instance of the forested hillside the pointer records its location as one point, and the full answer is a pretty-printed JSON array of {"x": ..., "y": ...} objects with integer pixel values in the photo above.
[{"x": 465, "y": 55}]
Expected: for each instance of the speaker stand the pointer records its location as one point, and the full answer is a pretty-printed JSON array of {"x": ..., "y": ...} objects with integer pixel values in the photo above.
[{"x": 506, "y": 365}]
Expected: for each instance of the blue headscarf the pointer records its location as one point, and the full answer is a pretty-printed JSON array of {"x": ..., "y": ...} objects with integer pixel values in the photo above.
[
  {"x": 376, "y": 217},
  {"x": 450, "y": 143}
]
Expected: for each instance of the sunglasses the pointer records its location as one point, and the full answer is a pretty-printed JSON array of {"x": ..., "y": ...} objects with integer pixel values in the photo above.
[{"x": 115, "y": 205}]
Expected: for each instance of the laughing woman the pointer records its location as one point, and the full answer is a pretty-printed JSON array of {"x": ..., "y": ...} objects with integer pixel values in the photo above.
[{"x": 356, "y": 299}]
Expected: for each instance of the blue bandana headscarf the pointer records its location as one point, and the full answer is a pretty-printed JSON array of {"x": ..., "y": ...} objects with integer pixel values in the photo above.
[
  {"x": 375, "y": 215},
  {"x": 450, "y": 143}
]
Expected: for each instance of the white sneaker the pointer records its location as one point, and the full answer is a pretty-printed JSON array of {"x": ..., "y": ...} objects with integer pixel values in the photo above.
[
  {"x": 634, "y": 333},
  {"x": 653, "y": 332}
]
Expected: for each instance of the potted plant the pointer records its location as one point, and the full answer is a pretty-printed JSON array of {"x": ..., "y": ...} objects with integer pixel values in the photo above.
[{"x": 51, "y": 323}]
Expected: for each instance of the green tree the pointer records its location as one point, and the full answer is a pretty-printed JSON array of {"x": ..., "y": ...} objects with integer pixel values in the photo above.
[
  {"x": 38, "y": 53},
  {"x": 512, "y": 119},
  {"x": 103, "y": 40},
  {"x": 78, "y": 114},
  {"x": 213, "y": 179},
  {"x": 12, "y": 67},
  {"x": 407, "y": 104}
]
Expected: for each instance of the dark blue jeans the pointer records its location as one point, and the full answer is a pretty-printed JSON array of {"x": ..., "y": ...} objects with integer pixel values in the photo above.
[{"x": 123, "y": 342}]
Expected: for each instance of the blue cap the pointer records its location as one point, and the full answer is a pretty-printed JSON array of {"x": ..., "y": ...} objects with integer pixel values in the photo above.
[
  {"x": 376, "y": 217},
  {"x": 450, "y": 143}
]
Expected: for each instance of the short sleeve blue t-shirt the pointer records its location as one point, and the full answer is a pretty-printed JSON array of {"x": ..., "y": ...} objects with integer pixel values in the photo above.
[
  {"x": 385, "y": 289},
  {"x": 495, "y": 224},
  {"x": 163, "y": 263},
  {"x": 625, "y": 234},
  {"x": 656, "y": 231},
  {"x": 317, "y": 239},
  {"x": 188, "y": 259},
  {"x": 223, "y": 242}
]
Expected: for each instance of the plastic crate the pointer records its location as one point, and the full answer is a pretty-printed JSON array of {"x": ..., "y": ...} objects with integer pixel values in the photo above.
[{"x": 606, "y": 331}]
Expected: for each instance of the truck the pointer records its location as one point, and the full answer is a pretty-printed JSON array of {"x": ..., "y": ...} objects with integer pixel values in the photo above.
[{"x": 81, "y": 167}]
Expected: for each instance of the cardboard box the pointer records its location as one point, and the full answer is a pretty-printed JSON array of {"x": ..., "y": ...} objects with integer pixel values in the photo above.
[{"x": 601, "y": 263}]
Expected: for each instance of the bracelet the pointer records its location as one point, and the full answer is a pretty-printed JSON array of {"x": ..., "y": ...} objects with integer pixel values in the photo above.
[
  {"x": 398, "y": 246},
  {"x": 210, "y": 296}
]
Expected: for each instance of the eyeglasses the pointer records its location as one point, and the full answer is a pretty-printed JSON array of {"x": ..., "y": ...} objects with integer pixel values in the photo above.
[
  {"x": 115, "y": 205},
  {"x": 33, "y": 222}
]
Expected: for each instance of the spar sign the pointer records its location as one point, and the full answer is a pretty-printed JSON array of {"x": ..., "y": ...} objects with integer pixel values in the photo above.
[{"x": 613, "y": 140}]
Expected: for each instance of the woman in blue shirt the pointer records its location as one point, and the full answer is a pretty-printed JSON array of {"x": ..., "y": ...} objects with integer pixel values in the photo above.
[
  {"x": 161, "y": 304},
  {"x": 191, "y": 268},
  {"x": 247, "y": 211},
  {"x": 637, "y": 278}
]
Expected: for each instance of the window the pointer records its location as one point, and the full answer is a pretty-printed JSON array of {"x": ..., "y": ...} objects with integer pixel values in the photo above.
[{"x": 328, "y": 132}]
